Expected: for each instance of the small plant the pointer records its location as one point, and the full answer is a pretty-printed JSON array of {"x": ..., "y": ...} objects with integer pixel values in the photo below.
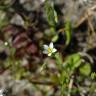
[
  {"x": 66, "y": 70},
  {"x": 14, "y": 65},
  {"x": 67, "y": 66}
]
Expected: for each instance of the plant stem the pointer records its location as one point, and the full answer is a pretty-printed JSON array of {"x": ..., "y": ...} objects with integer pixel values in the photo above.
[{"x": 70, "y": 86}]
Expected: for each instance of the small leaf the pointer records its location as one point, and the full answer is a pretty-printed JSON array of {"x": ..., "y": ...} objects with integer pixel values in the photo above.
[
  {"x": 76, "y": 59},
  {"x": 73, "y": 61},
  {"x": 55, "y": 38},
  {"x": 85, "y": 69},
  {"x": 93, "y": 75},
  {"x": 51, "y": 13},
  {"x": 68, "y": 32},
  {"x": 56, "y": 17}
]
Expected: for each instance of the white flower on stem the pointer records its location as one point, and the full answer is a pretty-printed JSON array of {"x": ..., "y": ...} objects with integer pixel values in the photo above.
[{"x": 49, "y": 49}]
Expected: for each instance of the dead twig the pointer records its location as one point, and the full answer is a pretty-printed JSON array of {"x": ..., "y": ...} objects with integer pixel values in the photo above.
[
  {"x": 42, "y": 82},
  {"x": 90, "y": 12},
  {"x": 70, "y": 85},
  {"x": 90, "y": 23}
]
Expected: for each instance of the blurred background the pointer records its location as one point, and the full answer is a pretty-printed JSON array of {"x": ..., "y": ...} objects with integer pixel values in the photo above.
[{"x": 24, "y": 29}]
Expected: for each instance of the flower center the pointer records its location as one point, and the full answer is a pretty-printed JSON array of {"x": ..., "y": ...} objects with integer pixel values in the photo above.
[{"x": 50, "y": 50}]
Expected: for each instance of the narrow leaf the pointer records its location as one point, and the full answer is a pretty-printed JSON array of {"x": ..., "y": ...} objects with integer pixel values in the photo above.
[
  {"x": 68, "y": 32},
  {"x": 51, "y": 13}
]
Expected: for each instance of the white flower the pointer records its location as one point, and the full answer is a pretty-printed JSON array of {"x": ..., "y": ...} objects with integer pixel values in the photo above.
[
  {"x": 49, "y": 49},
  {"x": 6, "y": 43},
  {"x": 1, "y": 92}
]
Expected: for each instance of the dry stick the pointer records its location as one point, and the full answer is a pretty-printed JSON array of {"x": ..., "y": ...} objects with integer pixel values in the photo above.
[
  {"x": 90, "y": 12},
  {"x": 70, "y": 85},
  {"x": 91, "y": 28},
  {"x": 86, "y": 55},
  {"x": 82, "y": 20},
  {"x": 41, "y": 82},
  {"x": 93, "y": 8},
  {"x": 49, "y": 83},
  {"x": 85, "y": 17},
  {"x": 90, "y": 23}
]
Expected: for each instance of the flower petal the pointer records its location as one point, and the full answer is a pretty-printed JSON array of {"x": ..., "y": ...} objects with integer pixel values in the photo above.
[
  {"x": 45, "y": 47},
  {"x": 49, "y": 54},
  {"x": 51, "y": 45},
  {"x": 45, "y": 52},
  {"x": 54, "y": 50}
]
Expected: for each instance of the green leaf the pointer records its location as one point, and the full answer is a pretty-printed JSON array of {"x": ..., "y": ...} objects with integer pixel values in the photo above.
[
  {"x": 51, "y": 13},
  {"x": 73, "y": 61},
  {"x": 85, "y": 69},
  {"x": 55, "y": 38},
  {"x": 76, "y": 59},
  {"x": 55, "y": 16},
  {"x": 68, "y": 32},
  {"x": 93, "y": 75}
]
